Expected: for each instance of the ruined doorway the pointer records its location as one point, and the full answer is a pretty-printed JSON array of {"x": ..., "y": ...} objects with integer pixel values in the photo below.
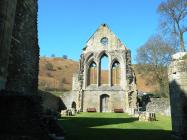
[
  {"x": 104, "y": 103},
  {"x": 73, "y": 105}
]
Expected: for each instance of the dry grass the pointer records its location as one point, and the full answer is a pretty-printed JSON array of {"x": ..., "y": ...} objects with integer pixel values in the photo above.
[{"x": 60, "y": 78}]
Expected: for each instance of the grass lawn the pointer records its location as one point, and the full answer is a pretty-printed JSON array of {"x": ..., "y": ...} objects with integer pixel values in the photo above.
[
  {"x": 114, "y": 126},
  {"x": 56, "y": 93}
]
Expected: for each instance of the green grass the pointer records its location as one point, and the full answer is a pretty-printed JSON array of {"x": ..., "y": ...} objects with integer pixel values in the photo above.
[
  {"x": 56, "y": 93},
  {"x": 114, "y": 126}
]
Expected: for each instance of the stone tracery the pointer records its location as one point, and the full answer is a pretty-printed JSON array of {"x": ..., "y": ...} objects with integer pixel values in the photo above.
[{"x": 116, "y": 86}]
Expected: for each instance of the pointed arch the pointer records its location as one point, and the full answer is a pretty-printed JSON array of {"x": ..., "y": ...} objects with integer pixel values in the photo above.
[
  {"x": 101, "y": 54},
  {"x": 115, "y": 70},
  {"x": 88, "y": 57},
  {"x": 73, "y": 105},
  {"x": 92, "y": 73},
  {"x": 104, "y": 71}
]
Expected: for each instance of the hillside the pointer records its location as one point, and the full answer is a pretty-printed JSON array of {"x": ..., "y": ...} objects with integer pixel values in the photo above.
[
  {"x": 144, "y": 82},
  {"x": 56, "y": 74}
]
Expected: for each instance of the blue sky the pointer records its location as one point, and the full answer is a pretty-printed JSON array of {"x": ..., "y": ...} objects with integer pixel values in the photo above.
[{"x": 66, "y": 25}]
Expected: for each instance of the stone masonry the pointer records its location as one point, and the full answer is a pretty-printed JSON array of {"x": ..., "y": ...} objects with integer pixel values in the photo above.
[
  {"x": 20, "y": 106},
  {"x": 159, "y": 105},
  {"x": 24, "y": 58},
  {"x": 109, "y": 96},
  {"x": 6, "y": 28},
  {"x": 177, "y": 73}
]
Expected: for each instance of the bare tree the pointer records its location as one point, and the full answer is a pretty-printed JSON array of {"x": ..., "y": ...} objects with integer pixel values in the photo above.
[
  {"x": 154, "y": 56},
  {"x": 174, "y": 14}
]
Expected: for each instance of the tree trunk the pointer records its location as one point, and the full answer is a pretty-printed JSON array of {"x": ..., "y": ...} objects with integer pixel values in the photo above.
[
  {"x": 7, "y": 13},
  {"x": 182, "y": 42}
]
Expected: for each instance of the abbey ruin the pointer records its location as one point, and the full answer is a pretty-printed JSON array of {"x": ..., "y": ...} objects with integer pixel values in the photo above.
[
  {"x": 104, "y": 90},
  {"x": 22, "y": 115}
]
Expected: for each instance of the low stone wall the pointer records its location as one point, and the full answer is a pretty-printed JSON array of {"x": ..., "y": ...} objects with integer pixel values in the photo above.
[
  {"x": 159, "y": 105},
  {"x": 52, "y": 102},
  {"x": 69, "y": 98}
]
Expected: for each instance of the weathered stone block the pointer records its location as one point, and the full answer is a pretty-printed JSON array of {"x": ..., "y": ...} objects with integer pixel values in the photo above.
[{"x": 178, "y": 95}]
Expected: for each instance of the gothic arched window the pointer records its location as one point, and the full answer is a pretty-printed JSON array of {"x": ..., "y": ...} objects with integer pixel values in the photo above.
[
  {"x": 92, "y": 74},
  {"x": 115, "y": 73},
  {"x": 104, "y": 78}
]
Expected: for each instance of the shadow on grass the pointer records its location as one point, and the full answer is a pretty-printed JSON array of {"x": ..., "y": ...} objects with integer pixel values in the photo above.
[
  {"x": 83, "y": 128},
  {"x": 86, "y": 122}
]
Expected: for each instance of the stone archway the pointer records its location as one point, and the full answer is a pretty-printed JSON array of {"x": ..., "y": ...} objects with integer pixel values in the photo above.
[
  {"x": 73, "y": 105},
  {"x": 104, "y": 103}
]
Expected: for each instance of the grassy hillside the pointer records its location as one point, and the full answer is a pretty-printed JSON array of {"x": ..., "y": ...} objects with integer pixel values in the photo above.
[
  {"x": 145, "y": 82},
  {"x": 56, "y": 74}
]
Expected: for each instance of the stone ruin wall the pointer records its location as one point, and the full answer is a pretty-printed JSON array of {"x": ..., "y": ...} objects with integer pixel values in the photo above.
[
  {"x": 159, "y": 105},
  {"x": 51, "y": 102},
  {"x": 129, "y": 101},
  {"x": 19, "y": 56},
  {"x": 68, "y": 98},
  {"x": 24, "y": 53},
  {"x": 19, "y": 49},
  {"x": 177, "y": 73},
  {"x": 131, "y": 81},
  {"x": 92, "y": 100},
  {"x": 6, "y": 27}
]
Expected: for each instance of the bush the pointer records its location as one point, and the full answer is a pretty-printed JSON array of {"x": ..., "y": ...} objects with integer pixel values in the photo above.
[
  {"x": 49, "y": 66},
  {"x": 64, "y": 81},
  {"x": 59, "y": 68},
  {"x": 53, "y": 55},
  {"x": 65, "y": 56}
]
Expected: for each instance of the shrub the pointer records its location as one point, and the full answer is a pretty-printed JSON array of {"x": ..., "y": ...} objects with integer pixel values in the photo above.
[
  {"x": 49, "y": 66},
  {"x": 64, "y": 81},
  {"x": 59, "y": 68},
  {"x": 65, "y": 56},
  {"x": 53, "y": 55}
]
